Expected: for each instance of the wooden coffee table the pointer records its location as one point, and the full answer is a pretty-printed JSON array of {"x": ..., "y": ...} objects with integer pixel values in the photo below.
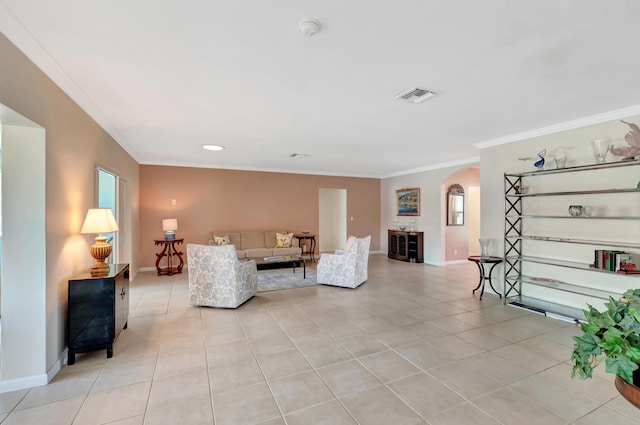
[{"x": 265, "y": 263}]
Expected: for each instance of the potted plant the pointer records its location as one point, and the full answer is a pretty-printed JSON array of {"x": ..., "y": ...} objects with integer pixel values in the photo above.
[{"x": 615, "y": 335}]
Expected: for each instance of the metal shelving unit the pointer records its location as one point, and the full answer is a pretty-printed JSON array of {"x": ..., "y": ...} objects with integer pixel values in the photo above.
[{"x": 515, "y": 256}]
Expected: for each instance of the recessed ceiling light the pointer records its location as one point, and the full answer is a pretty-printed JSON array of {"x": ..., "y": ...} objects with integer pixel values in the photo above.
[{"x": 213, "y": 147}]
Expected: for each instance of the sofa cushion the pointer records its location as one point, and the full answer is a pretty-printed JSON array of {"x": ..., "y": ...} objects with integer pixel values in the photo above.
[
  {"x": 295, "y": 250},
  {"x": 234, "y": 238},
  {"x": 222, "y": 240},
  {"x": 250, "y": 240},
  {"x": 270, "y": 238},
  {"x": 284, "y": 240},
  {"x": 350, "y": 242},
  {"x": 259, "y": 252}
]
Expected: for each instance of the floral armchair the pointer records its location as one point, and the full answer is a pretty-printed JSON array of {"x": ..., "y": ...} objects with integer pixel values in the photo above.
[
  {"x": 217, "y": 278},
  {"x": 348, "y": 268}
]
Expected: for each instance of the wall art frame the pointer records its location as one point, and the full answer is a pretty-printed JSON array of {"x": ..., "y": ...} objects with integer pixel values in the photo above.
[{"x": 408, "y": 202}]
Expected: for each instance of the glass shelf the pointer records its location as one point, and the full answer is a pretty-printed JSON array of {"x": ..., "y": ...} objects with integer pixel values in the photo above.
[
  {"x": 561, "y": 263},
  {"x": 574, "y": 192},
  {"x": 547, "y": 308},
  {"x": 575, "y": 218},
  {"x": 577, "y": 241},
  {"x": 565, "y": 287},
  {"x": 576, "y": 168}
]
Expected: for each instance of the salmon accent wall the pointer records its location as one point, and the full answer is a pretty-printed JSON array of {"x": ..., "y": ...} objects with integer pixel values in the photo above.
[{"x": 232, "y": 200}]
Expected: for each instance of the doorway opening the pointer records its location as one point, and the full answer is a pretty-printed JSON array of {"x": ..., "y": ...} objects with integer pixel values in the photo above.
[{"x": 332, "y": 228}]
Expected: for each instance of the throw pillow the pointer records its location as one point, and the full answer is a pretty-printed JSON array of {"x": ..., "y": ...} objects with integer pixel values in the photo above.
[
  {"x": 350, "y": 242},
  {"x": 222, "y": 240},
  {"x": 284, "y": 240}
]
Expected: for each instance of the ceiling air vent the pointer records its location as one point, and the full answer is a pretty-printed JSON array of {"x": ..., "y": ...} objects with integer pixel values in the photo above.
[{"x": 416, "y": 95}]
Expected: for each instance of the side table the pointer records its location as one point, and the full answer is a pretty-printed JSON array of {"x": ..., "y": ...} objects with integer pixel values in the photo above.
[
  {"x": 169, "y": 250},
  {"x": 312, "y": 244},
  {"x": 480, "y": 262}
]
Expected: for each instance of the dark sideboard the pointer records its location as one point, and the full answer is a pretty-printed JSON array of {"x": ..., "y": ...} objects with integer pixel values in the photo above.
[{"x": 406, "y": 246}]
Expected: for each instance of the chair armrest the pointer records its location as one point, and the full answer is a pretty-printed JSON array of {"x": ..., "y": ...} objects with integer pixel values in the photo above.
[{"x": 349, "y": 257}]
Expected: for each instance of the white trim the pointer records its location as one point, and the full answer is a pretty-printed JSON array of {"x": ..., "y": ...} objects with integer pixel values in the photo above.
[
  {"x": 257, "y": 169},
  {"x": 556, "y": 128},
  {"x": 15, "y": 31},
  {"x": 55, "y": 368},
  {"x": 456, "y": 262},
  {"x": 466, "y": 161},
  {"x": 431, "y": 263},
  {"x": 147, "y": 269},
  {"x": 23, "y": 383}
]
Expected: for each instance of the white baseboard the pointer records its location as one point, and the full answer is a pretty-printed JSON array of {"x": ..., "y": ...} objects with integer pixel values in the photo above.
[
  {"x": 147, "y": 269},
  {"x": 431, "y": 263},
  {"x": 55, "y": 368},
  {"x": 35, "y": 380},
  {"x": 23, "y": 383},
  {"x": 456, "y": 262}
]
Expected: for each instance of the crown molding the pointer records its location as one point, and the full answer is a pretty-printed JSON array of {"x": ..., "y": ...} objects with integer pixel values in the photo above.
[{"x": 556, "y": 128}]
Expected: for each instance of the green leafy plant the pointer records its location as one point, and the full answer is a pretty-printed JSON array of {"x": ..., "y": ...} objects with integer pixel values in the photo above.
[{"x": 613, "y": 334}]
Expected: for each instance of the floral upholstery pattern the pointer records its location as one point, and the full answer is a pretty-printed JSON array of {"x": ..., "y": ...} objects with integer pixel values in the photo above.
[
  {"x": 284, "y": 240},
  {"x": 217, "y": 278},
  {"x": 348, "y": 269}
]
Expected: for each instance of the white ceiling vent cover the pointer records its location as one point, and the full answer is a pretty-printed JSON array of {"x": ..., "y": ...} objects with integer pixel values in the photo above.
[{"x": 416, "y": 95}]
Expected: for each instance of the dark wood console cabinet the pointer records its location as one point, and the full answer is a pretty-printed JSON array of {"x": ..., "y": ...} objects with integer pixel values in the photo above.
[
  {"x": 98, "y": 310},
  {"x": 406, "y": 246}
]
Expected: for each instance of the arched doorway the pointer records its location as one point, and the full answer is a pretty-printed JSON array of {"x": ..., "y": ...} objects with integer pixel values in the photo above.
[{"x": 462, "y": 214}]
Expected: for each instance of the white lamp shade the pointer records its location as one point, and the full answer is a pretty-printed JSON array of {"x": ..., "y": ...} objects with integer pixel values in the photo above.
[
  {"x": 170, "y": 224},
  {"x": 99, "y": 220}
]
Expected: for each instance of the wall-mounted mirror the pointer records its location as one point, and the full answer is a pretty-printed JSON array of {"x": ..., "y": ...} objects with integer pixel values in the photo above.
[{"x": 455, "y": 205}]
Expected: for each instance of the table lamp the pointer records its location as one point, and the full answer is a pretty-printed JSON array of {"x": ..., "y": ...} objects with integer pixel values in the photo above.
[
  {"x": 170, "y": 225},
  {"x": 99, "y": 220}
]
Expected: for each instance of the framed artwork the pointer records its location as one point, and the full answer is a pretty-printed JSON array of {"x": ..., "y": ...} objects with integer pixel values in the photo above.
[{"x": 408, "y": 202}]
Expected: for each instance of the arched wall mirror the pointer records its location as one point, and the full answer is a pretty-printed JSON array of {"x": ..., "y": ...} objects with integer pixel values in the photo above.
[{"x": 455, "y": 205}]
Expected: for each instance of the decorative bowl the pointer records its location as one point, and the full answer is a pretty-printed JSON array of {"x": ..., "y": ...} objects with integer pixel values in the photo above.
[
  {"x": 305, "y": 232},
  {"x": 402, "y": 228},
  {"x": 576, "y": 210}
]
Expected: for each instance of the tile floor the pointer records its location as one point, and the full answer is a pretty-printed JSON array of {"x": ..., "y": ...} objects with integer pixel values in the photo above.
[{"x": 410, "y": 346}]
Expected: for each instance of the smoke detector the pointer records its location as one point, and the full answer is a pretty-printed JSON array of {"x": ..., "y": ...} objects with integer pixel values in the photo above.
[
  {"x": 310, "y": 27},
  {"x": 416, "y": 95}
]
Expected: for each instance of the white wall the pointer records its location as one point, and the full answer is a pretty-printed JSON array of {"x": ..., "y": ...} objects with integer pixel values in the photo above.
[
  {"x": 432, "y": 208},
  {"x": 473, "y": 245},
  {"x": 75, "y": 144},
  {"x": 24, "y": 263}
]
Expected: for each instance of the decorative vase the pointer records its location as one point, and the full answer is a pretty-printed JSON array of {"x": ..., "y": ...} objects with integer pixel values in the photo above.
[
  {"x": 630, "y": 391},
  {"x": 484, "y": 247},
  {"x": 539, "y": 164},
  {"x": 600, "y": 149}
]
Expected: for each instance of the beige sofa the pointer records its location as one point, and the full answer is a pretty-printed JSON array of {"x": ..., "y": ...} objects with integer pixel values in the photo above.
[{"x": 257, "y": 244}]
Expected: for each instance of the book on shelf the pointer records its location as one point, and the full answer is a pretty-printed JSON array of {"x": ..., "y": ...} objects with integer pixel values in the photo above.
[
  {"x": 612, "y": 260},
  {"x": 622, "y": 271}
]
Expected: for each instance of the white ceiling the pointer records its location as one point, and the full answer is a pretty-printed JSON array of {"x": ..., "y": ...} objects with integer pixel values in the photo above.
[{"x": 165, "y": 77}]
